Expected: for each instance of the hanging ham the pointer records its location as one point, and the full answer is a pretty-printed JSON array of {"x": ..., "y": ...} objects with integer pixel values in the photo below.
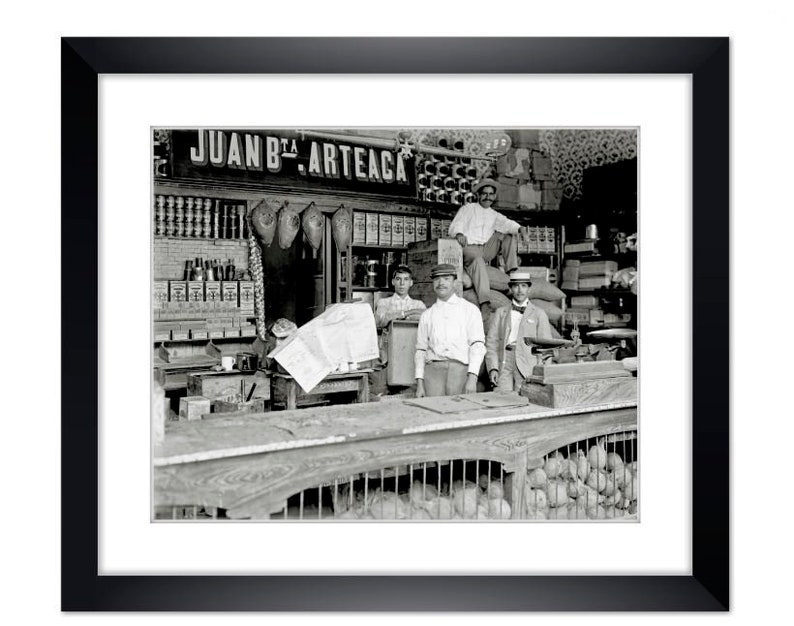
[
  {"x": 264, "y": 219},
  {"x": 341, "y": 227},
  {"x": 313, "y": 226},
  {"x": 288, "y": 225}
]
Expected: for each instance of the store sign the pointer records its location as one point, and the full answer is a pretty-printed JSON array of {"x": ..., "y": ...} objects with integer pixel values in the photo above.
[{"x": 263, "y": 156}]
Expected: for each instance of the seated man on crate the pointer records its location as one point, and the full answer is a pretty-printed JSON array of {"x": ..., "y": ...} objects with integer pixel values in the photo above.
[
  {"x": 483, "y": 234},
  {"x": 508, "y": 357},
  {"x": 399, "y": 306},
  {"x": 450, "y": 341}
]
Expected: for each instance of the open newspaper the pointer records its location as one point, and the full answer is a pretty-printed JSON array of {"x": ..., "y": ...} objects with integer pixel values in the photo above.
[{"x": 344, "y": 333}]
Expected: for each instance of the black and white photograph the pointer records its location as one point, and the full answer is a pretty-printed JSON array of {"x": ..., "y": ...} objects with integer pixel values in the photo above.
[{"x": 401, "y": 324}]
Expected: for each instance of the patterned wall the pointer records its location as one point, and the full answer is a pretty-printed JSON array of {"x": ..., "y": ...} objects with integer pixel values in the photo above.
[{"x": 574, "y": 150}]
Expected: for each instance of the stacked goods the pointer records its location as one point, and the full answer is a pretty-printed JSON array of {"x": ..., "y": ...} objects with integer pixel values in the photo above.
[
  {"x": 423, "y": 256},
  {"x": 593, "y": 485},
  {"x": 596, "y": 274}
]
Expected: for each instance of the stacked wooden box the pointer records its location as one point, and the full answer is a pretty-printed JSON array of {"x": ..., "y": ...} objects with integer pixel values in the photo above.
[{"x": 423, "y": 256}]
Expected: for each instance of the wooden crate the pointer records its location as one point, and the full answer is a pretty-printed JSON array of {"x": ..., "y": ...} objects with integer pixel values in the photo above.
[
  {"x": 402, "y": 348},
  {"x": 225, "y": 385},
  {"x": 588, "y": 392},
  {"x": 423, "y": 255}
]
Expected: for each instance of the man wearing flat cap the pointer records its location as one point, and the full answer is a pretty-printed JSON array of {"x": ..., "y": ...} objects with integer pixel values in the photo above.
[
  {"x": 484, "y": 234},
  {"x": 508, "y": 356},
  {"x": 450, "y": 341}
]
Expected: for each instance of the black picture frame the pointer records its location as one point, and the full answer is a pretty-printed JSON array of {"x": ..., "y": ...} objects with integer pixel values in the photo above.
[{"x": 706, "y": 59}]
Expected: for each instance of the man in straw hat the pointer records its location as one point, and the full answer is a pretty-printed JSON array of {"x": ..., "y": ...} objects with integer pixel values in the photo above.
[
  {"x": 508, "y": 357},
  {"x": 483, "y": 234},
  {"x": 450, "y": 341}
]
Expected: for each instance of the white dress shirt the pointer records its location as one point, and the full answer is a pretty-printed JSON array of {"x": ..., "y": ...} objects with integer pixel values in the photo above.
[
  {"x": 478, "y": 224},
  {"x": 450, "y": 330},
  {"x": 393, "y": 307}
]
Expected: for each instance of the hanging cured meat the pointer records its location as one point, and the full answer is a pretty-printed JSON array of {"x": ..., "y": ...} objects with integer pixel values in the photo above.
[
  {"x": 313, "y": 226},
  {"x": 288, "y": 225},
  {"x": 264, "y": 219},
  {"x": 341, "y": 226}
]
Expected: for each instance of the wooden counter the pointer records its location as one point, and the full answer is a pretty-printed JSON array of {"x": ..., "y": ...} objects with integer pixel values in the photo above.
[{"x": 251, "y": 465}]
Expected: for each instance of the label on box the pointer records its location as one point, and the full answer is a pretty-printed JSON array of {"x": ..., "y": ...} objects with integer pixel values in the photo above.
[
  {"x": 212, "y": 291},
  {"x": 231, "y": 332},
  {"x": 397, "y": 232},
  {"x": 229, "y": 291},
  {"x": 216, "y": 333},
  {"x": 179, "y": 335},
  {"x": 162, "y": 335},
  {"x": 246, "y": 294},
  {"x": 359, "y": 227},
  {"x": 409, "y": 229},
  {"x": 248, "y": 331},
  {"x": 195, "y": 291},
  {"x": 421, "y": 229},
  {"x": 435, "y": 228},
  {"x": 384, "y": 230},
  {"x": 445, "y": 224},
  {"x": 159, "y": 293},
  {"x": 199, "y": 334},
  {"x": 372, "y": 228},
  {"x": 177, "y": 291}
]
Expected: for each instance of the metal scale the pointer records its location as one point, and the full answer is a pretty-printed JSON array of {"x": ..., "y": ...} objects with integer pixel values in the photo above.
[{"x": 572, "y": 373}]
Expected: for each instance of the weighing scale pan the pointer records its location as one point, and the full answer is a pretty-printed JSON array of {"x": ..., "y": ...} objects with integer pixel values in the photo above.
[
  {"x": 613, "y": 333},
  {"x": 542, "y": 342}
]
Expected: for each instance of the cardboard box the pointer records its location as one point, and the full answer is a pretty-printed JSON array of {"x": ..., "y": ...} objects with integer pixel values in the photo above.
[
  {"x": 216, "y": 333},
  {"x": 582, "y": 316},
  {"x": 409, "y": 229},
  {"x": 585, "y": 301},
  {"x": 159, "y": 293},
  {"x": 195, "y": 291},
  {"x": 594, "y": 282},
  {"x": 162, "y": 335},
  {"x": 231, "y": 332},
  {"x": 177, "y": 291},
  {"x": 212, "y": 291},
  {"x": 193, "y": 407},
  {"x": 598, "y": 268},
  {"x": 248, "y": 330},
  {"x": 247, "y": 294},
  {"x": 570, "y": 273},
  {"x": 421, "y": 229},
  {"x": 580, "y": 246},
  {"x": 359, "y": 227},
  {"x": 229, "y": 291},
  {"x": 384, "y": 230},
  {"x": 179, "y": 335},
  {"x": 436, "y": 228},
  {"x": 397, "y": 230},
  {"x": 371, "y": 237},
  {"x": 596, "y": 317},
  {"x": 195, "y": 333},
  {"x": 569, "y": 285}
]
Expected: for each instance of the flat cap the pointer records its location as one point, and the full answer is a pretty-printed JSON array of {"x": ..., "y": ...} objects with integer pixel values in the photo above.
[{"x": 444, "y": 269}]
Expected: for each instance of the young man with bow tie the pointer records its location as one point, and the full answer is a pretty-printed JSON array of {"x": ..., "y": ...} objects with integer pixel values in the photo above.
[{"x": 508, "y": 358}]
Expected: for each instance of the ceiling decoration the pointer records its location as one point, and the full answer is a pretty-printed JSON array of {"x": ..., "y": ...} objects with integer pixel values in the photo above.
[{"x": 574, "y": 150}]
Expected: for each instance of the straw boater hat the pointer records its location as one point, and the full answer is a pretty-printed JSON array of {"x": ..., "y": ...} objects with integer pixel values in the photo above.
[
  {"x": 485, "y": 182},
  {"x": 520, "y": 276},
  {"x": 444, "y": 269}
]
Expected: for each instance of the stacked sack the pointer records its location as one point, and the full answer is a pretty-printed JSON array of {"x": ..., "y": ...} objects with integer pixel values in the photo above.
[{"x": 542, "y": 294}]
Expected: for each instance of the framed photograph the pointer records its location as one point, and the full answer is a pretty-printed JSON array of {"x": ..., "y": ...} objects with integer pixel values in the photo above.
[{"x": 263, "y": 165}]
